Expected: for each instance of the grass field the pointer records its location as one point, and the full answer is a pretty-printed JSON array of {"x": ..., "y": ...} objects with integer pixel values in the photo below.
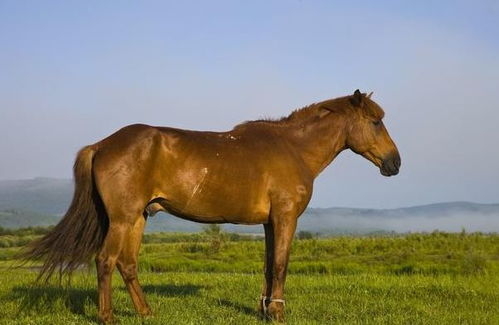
[{"x": 214, "y": 278}]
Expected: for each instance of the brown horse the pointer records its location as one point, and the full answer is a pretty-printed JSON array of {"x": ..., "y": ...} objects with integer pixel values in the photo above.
[{"x": 261, "y": 172}]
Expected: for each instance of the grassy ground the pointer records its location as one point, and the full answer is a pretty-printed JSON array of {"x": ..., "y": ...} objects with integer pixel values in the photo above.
[{"x": 413, "y": 279}]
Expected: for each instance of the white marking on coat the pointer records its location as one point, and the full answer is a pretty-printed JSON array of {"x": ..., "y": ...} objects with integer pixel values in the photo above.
[
  {"x": 301, "y": 189},
  {"x": 198, "y": 187}
]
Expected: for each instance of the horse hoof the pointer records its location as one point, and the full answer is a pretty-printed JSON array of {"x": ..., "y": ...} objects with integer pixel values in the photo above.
[
  {"x": 146, "y": 312},
  {"x": 106, "y": 317},
  {"x": 275, "y": 312}
]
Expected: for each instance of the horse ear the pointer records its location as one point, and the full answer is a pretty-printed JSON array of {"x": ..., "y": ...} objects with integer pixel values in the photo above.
[
  {"x": 370, "y": 94},
  {"x": 356, "y": 98}
]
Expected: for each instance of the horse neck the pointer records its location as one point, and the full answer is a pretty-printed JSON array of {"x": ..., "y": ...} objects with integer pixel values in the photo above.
[{"x": 318, "y": 141}]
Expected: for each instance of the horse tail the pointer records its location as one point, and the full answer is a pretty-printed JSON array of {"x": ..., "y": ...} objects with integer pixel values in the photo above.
[{"x": 80, "y": 233}]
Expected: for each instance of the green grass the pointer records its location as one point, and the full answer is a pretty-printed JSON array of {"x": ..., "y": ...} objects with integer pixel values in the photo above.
[{"x": 413, "y": 279}]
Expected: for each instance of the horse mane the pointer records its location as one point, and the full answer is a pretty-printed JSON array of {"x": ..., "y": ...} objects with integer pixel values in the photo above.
[
  {"x": 300, "y": 114},
  {"x": 295, "y": 115},
  {"x": 336, "y": 105}
]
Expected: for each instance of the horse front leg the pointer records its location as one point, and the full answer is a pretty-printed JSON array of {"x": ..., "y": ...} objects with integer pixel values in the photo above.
[
  {"x": 267, "y": 269},
  {"x": 284, "y": 230}
]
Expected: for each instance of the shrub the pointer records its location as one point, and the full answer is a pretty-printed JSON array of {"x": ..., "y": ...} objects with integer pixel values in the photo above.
[{"x": 304, "y": 235}]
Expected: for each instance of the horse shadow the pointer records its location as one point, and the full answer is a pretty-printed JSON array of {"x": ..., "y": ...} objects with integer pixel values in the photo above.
[
  {"x": 38, "y": 298},
  {"x": 239, "y": 307},
  {"x": 193, "y": 290},
  {"x": 170, "y": 290}
]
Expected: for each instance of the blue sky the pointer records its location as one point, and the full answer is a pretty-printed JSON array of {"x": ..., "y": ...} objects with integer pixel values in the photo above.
[{"x": 72, "y": 73}]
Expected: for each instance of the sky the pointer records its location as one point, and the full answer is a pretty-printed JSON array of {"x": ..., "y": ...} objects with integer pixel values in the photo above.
[{"x": 72, "y": 73}]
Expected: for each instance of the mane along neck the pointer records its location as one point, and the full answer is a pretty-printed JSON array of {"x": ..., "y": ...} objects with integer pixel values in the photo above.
[{"x": 302, "y": 115}]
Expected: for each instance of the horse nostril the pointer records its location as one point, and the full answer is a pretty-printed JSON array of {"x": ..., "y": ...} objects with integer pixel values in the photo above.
[
  {"x": 391, "y": 165},
  {"x": 396, "y": 161}
]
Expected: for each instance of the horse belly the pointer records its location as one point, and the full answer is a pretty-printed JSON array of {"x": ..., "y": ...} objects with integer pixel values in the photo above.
[{"x": 218, "y": 204}]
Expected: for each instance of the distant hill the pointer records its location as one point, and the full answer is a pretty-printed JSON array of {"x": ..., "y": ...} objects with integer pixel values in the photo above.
[
  {"x": 41, "y": 201},
  {"x": 43, "y": 195},
  {"x": 21, "y": 219}
]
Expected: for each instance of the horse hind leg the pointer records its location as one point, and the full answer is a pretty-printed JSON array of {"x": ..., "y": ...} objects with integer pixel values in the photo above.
[
  {"x": 106, "y": 261},
  {"x": 127, "y": 265}
]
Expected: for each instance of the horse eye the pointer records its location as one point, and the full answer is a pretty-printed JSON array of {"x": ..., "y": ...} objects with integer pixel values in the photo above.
[{"x": 377, "y": 123}]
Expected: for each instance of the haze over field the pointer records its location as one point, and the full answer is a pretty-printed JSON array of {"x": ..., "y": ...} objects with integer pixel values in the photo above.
[{"x": 73, "y": 73}]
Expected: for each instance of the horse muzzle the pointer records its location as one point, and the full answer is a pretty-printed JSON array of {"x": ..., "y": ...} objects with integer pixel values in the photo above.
[{"x": 390, "y": 165}]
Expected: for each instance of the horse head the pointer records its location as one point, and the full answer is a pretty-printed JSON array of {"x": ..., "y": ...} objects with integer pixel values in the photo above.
[{"x": 368, "y": 136}]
